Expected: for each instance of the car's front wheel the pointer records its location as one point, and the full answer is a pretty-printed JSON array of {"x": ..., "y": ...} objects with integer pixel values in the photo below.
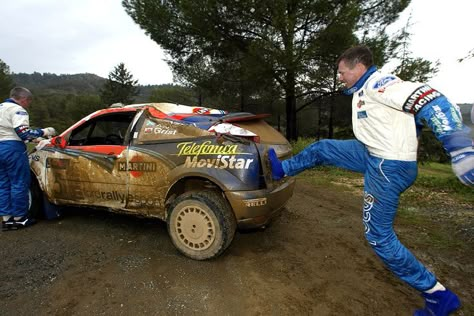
[
  {"x": 35, "y": 202},
  {"x": 39, "y": 207},
  {"x": 201, "y": 224}
]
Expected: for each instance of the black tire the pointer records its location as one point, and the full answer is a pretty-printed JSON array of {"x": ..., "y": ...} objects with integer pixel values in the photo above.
[
  {"x": 35, "y": 206},
  {"x": 201, "y": 224}
]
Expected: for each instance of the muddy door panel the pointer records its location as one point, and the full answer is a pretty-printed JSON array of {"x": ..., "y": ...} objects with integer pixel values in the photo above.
[
  {"x": 86, "y": 176},
  {"x": 148, "y": 183}
]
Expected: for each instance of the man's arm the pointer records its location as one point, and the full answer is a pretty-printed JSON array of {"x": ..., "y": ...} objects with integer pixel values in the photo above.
[
  {"x": 20, "y": 120},
  {"x": 443, "y": 117},
  {"x": 445, "y": 120}
]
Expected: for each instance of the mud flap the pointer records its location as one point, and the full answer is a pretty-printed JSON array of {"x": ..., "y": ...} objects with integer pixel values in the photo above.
[{"x": 50, "y": 211}]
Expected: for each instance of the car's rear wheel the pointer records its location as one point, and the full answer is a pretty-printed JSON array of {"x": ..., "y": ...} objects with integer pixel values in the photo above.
[{"x": 201, "y": 224}]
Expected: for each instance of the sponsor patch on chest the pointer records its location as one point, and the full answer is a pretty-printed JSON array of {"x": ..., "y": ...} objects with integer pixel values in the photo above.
[{"x": 361, "y": 114}]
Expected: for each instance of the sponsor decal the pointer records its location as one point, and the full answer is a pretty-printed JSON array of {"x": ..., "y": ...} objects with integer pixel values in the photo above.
[
  {"x": 21, "y": 113},
  {"x": 148, "y": 130},
  {"x": 35, "y": 157},
  {"x": 57, "y": 163},
  {"x": 105, "y": 195},
  {"x": 201, "y": 110},
  {"x": 142, "y": 201},
  {"x": 164, "y": 130},
  {"x": 361, "y": 114},
  {"x": 21, "y": 129},
  {"x": 255, "y": 202},
  {"x": 383, "y": 81},
  {"x": 226, "y": 156},
  {"x": 440, "y": 120},
  {"x": 368, "y": 204},
  {"x": 221, "y": 162},
  {"x": 360, "y": 103},
  {"x": 138, "y": 166},
  {"x": 361, "y": 93},
  {"x": 419, "y": 98},
  {"x": 206, "y": 148},
  {"x": 122, "y": 197}
]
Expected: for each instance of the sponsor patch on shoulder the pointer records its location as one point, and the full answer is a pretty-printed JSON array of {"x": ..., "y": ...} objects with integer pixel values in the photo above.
[
  {"x": 21, "y": 113},
  {"x": 383, "y": 81},
  {"x": 419, "y": 98}
]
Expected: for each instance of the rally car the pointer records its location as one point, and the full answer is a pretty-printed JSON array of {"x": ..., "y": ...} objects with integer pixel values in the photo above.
[{"x": 203, "y": 171}]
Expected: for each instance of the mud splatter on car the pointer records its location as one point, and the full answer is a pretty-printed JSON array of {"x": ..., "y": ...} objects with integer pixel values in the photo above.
[{"x": 201, "y": 170}]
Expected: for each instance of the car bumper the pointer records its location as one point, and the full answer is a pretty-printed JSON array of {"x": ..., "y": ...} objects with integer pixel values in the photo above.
[{"x": 255, "y": 209}]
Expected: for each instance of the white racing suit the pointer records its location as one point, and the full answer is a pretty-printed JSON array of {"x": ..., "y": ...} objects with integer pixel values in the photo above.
[
  {"x": 14, "y": 166},
  {"x": 385, "y": 152}
]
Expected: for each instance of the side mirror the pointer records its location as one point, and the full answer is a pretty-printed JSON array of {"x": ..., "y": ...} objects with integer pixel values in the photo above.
[{"x": 58, "y": 141}]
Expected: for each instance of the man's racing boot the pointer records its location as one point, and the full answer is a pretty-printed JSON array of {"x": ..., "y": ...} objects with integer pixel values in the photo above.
[
  {"x": 275, "y": 164},
  {"x": 439, "y": 303},
  {"x": 24, "y": 221},
  {"x": 9, "y": 224}
]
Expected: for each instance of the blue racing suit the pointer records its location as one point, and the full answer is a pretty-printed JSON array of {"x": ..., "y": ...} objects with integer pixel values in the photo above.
[
  {"x": 385, "y": 152},
  {"x": 14, "y": 166}
]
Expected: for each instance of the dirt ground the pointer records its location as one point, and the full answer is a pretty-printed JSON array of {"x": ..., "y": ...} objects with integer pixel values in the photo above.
[{"x": 313, "y": 260}]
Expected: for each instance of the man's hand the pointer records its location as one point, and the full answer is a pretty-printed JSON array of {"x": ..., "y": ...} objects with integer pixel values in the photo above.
[
  {"x": 49, "y": 132},
  {"x": 42, "y": 143},
  {"x": 463, "y": 165}
]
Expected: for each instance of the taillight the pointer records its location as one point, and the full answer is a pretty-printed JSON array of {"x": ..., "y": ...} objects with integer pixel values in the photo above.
[{"x": 256, "y": 139}]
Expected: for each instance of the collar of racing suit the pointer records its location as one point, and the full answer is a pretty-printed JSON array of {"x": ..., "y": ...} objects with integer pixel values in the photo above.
[
  {"x": 361, "y": 81},
  {"x": 10, "y": 100}
]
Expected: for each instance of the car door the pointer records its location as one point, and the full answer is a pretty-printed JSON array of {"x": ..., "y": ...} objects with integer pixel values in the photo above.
[
  {"x": 91, "y": 169},
  {"x": 152, "y": 155}
]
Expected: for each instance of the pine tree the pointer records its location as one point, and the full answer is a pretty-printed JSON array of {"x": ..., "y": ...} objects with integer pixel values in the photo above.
[{"x": 119, "y": 87}]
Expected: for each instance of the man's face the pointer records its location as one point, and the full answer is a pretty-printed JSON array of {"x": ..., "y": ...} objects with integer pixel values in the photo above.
[
  {"x": 25, "y": 102},
  {"x": 349, "y": 76}
]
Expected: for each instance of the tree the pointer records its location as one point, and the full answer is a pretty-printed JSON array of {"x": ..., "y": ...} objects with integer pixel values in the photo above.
[
  {"x": 6, "y": 82},
  {"x": 469, "y": 55},
  {"x": 292, "y": 43},
  {"x": 173, "y": 94},
  {"x": 120, "y": 86},
  {"x": 411, "y": 68}
]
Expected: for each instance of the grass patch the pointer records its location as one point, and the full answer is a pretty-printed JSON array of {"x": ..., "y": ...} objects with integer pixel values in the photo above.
[
  {"x": 435, "y": 185},
  {"x": 437, "y": 199}
]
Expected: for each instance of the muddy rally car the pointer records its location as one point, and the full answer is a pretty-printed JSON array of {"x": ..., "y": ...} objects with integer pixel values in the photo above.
[{"x": 203, "y": 171}]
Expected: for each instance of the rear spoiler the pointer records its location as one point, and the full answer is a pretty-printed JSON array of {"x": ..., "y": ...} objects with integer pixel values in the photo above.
[{"x": 239, "y": 117}]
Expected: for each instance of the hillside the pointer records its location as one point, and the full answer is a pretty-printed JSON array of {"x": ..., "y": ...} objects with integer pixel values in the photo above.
[{"x": 76, "y": 84}]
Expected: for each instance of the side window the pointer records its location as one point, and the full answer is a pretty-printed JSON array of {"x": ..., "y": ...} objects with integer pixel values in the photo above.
[
  {"x": 108, "y": 129},
  {"x": 79, "y": 135}
]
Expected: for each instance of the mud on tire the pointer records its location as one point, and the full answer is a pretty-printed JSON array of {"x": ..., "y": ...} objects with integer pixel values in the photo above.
[{"x": 201, "y": 224}]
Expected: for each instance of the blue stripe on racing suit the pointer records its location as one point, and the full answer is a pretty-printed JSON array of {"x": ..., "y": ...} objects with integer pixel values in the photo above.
[
  {"x": 446, "y": 123},
  {"x": 384, "y": 181}
]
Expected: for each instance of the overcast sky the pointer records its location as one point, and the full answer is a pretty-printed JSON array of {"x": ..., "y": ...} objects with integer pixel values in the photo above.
[{"x": 93, "y": 36}]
